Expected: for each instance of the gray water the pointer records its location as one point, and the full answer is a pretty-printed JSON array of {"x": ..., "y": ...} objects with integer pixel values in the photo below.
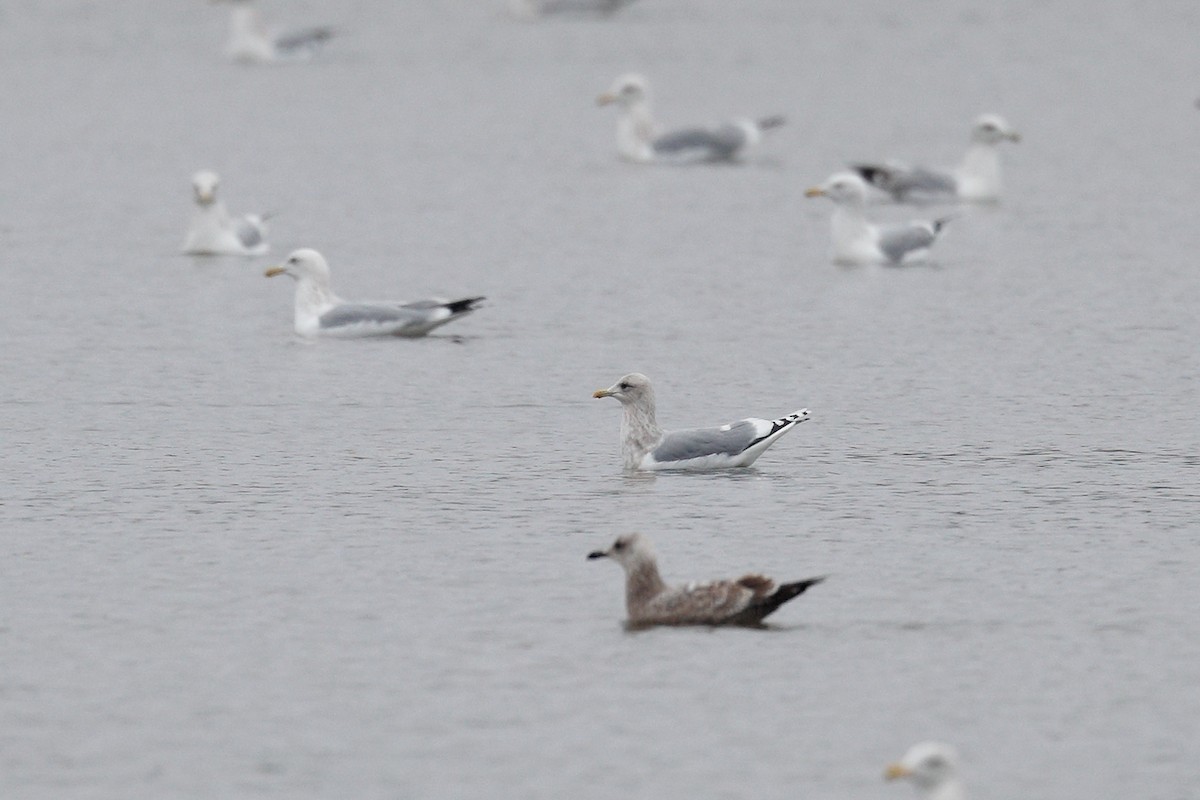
[{"x": 236, "y": 564}]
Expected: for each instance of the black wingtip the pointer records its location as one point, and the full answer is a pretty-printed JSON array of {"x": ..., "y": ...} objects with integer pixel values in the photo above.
[
  {"x": 870, "y": 173},
  {"x": 942, "y": 222},
  {"x": 799, "y": 587},
  {"x": 465, "y": 305}
]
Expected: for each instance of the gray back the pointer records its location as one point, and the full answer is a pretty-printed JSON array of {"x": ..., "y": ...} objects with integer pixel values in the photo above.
[
  {"x": 896, "y": 242},
  {"x": 720, "y": 143},
  {"x": 249, "y": 234},
  {"x": 919, "y": 179},
  {"x": 699, "y": 442},
  {"x": 360, "y": 314}
]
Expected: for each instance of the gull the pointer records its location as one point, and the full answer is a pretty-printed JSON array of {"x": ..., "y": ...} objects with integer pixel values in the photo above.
[
  {"x": 639, "y": 140},
  {"x": 857, "y": 242},
  {"x": 976, "y": 178},
  {"x": 747, "y": 600},
  {"x": 251, "y": 42},
  {"x": 213, "y": 232},
  {"x": 646, "y": 446},
  {"x": 933, "y": 769},
  {"x": 319, "y": 312}
]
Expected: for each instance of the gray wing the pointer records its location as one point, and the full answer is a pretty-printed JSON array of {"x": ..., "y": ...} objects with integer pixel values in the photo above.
[
  {"x": 249, "y": 232},
  {"x": 698, "y": 442},
  {"x": 722, "y": 142},
  {"x": 383, "y": 317},
  {"x": 900, "y": 180},
  {"x": 307, "y": 40},
  {"x": 920, "y": 179},
  {"x": 897, "y": 241}
]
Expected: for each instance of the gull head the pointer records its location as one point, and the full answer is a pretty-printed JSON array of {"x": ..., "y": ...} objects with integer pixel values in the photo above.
[
  {"x": 993, "y": 129},
  {"x": 929, "y": 765},
  {"x": 204, "y": 186},
  {"x": 303, "y": 264},
  {"x": 841, "y": 187},
  {"x": 633, "y": 388},
  {"x": 627, "y": 90},
  {"x": 628, "y": 551}
]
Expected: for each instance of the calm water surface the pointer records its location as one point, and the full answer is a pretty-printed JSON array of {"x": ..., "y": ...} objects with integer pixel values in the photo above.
[{"x": 236, "y": 564}]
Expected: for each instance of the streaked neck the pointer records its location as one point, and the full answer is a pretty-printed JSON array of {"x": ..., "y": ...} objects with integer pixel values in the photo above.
[
  {"x": 642, "y": 584},
  {"x": 639, "y": 432}
]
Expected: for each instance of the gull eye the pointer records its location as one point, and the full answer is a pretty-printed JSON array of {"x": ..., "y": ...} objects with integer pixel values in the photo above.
[
  {"x": 624, "y": 386},
  {"x": 935, "y": 762},
  {"x": 619, "y": 544}
]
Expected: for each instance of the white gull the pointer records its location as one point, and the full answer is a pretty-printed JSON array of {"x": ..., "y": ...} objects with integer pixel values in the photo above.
[
  {"x": 976, "y": 178},
  {"x": 646, "y": 446},
  {"x": 319, "y": 312},
  {"x": 213, "y": 232},
  {"x": 251, "y": 42},
  {"x": 857, "y": 242},
  {"x": 932, "y": 767},
  {"x": 639, "y": 138}
]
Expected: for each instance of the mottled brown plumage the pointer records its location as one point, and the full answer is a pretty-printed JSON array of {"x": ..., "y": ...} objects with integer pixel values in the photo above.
[{"x": 747, "y": 600}]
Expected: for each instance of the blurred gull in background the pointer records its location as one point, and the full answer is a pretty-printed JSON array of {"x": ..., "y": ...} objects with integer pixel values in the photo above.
[
  {"x": 932, "y": 767},
  {"x": 639, "y": 140},
  {"x": 976, "y": 178},
  {"x": 251, "y": 42},
  {"x": 319, "y": 312},
  {"x": 857, "y": 242},
  {"x": 213, "y": 232}
]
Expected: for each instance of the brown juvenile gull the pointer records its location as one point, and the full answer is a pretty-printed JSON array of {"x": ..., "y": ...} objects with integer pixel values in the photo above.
[
  {"x": 748, "y": 600},
  {"x": 319, "y": 312},
  {"x": 639, "y": 140},
  {"x": 932, "y": 767},
  {"x": 857, "y": 242},
  {"x": 646, "y": 446},
  {"x": 976, "y": 178}
]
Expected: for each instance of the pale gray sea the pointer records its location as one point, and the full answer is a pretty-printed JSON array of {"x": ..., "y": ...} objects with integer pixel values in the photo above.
[{"x": 237, "y": 564}]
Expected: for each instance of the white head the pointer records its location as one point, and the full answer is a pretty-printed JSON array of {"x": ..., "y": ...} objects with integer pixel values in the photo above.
[
  {"x": 931, "y": 766},
  {"x": 993, "y": 129},
  {"x": 204, "y": 187},
  {"x": 630, "y": 551},
  {"x": 303, "y": 264},
  {"x": 632, "y": 389},
  {"x": 628, "y": 90},
  {"x": 841, "y": 187}
]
